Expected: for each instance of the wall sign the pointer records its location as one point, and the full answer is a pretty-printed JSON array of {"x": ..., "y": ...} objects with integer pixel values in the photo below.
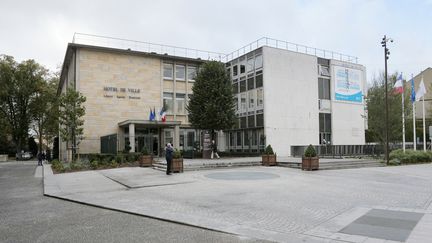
[
  {"x": 348, "y": 86},
  {"x": 121, "y": 93}
]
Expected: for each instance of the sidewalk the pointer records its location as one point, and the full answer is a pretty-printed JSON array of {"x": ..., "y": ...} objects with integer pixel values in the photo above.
[{"x": 289, "y": 206}]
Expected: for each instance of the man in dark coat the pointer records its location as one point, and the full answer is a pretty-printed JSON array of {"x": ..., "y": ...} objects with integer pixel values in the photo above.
[
  {"x": 39, "y": 157},
  {"x": 169, "y": 156},
  {"x": 214, "y": 150}
]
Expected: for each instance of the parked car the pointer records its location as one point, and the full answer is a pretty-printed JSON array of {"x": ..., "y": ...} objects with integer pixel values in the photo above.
[{"x": 24, "y": 155}]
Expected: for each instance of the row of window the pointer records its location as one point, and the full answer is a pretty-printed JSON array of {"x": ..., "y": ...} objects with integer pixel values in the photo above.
[
  {"x": 248, "y": 101},
  {"x": 247, "y": 84},
  {"x": 250, "y": 121},
  {"x": 180, "y": 100},
  {"x": 246, "y": 66},
  {"x": 180, "y": 71},
  {"x": 186, "y": 138},
  {"x": 246, "y": 138}
]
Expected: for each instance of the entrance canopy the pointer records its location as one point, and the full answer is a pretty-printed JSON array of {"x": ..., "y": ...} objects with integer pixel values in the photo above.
[{"x": 150, "y": 124}]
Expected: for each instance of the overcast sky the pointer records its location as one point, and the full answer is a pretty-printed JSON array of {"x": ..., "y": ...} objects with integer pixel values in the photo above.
[{"x": 40, "y": 30}]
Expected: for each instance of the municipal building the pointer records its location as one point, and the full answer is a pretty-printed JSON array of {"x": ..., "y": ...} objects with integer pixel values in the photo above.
[{"x": 287, "y": 95}]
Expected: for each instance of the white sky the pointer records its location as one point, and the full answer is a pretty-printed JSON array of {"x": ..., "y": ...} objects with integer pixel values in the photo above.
[{"x": 40, "y": 30}]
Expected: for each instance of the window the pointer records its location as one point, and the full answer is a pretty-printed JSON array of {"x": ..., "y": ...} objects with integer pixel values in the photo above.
[
  {"x": 180, "y": 101},
  {"x": 191, "y": 72},
  {"x": 260, "y": 100},
  {"x": 260, "y": 120},
  {"x": 235, "y": 88},
  {"x": 242, "y": 122},
  {"x": 242, "y": 68},
  {"x": 168, "y": 102},
  {"x": 324, "y": 71},
  {"x": 235, "y": 70},
  {"x": 325, "y": 128},
  {"x": 258, "y": 62},
  {"x": 243, "y": 86},
  {"x": 168, "y": 71},
  {"x": 231, "y": 137},
  {"x": 243, "y": 102},
  {"x": 259, "y": 81},
  {"x": 251, "y": 121},
  {"x": 190, "y": 139},
  {"x": 250, "y": 65},
  {"x": 246, "y": 138},
  {"x": 239, "y": 138},
  {"x": 324, "y": 88},
  {"x": 180, "y": 72},
  {"x": 251, "y": 99},
  {"x": 236, "y": 102},
  {"x": 254, "y": 138},
  {"x": 250, "y": 84},
  {"x": 168, "y": 134}
]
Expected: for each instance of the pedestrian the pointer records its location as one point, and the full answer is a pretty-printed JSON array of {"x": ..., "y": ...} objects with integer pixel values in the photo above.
[
  {"x": 39, "y": 157},
  {"x": 169, "y": 156},
  {"x": 43, "y": 156},
  {"x": 214, "y": 150}
]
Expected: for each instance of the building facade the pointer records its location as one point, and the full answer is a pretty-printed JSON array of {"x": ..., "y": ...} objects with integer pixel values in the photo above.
[{"x": 285, "y": 97}]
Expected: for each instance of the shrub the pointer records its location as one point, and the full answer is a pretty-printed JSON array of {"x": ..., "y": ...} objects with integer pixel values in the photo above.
[
  {"x": 177, "y": 154},
  {"x": 144, "y": 151},
  {"x": 120, "y": 159},
  {"x": 94, "y": 164},
  {"x": 113, "y": 164},
  {"x": 57, "y": 166},
  {"x": 268, "y": 150},
  {"x": 75, "y": 166},
  {"x": 310, "y": 151},
  {"x": 410, "y": 156}
]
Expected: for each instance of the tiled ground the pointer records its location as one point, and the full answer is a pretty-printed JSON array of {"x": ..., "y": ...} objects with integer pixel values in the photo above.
[{"x": 293, "y": 205}]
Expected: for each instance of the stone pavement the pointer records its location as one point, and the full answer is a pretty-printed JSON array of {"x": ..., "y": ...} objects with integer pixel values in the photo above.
[{"x": 269, "y": 203}]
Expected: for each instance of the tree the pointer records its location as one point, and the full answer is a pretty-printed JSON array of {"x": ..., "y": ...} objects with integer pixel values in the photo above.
[
  {"x": 18, "y": 87},
  {"x": 71, "y": 111},
  {"x": 376, "y": 112},
  {"x": 211, "y": 105},
  {"x": 45, "y": 111}
]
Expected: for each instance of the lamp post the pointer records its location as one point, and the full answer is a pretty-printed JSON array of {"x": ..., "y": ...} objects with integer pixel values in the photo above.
[{"x": 386, "y": 56}]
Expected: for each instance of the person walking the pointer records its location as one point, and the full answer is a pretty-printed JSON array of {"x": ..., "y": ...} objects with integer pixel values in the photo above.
[
  {"x": 214, "y": 150},
  {"x": 39, "y": 157},
  {"x": 169, "y": 156}
]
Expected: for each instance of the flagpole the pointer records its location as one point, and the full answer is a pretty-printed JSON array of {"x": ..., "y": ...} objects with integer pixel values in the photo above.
[
  {"x": 424, "y": 126},
  {"x": 403, "y": 115},
  {"x": 414, "y": 126}
]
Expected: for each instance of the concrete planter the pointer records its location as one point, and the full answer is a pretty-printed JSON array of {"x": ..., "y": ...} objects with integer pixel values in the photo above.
[
  {"x": 3, "y": 157},
  {"x": 310, "y": 163},
  {"x": 269, "y": 160},
  {"x": 177, "y": 165},
  {"x": 145, "y": 161}
]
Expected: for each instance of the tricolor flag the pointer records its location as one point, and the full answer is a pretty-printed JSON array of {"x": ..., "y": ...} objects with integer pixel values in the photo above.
[
  {"x": 162, "y": 114},
  {"x": 398, "y": 87},
  {"x": 421, "y": 91}
]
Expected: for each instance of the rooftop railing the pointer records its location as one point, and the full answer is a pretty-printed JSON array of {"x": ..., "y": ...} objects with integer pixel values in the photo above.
[
  {"x": 119, "y": 43},
  {"x": 280, "y": 44}
]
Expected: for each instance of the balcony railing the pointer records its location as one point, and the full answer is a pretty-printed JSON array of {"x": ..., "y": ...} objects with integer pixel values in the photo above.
[{"x": 119, "y": 43}]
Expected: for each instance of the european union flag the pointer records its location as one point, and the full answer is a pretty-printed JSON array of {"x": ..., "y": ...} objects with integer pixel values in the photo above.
[{"x": 413, "y": 94}]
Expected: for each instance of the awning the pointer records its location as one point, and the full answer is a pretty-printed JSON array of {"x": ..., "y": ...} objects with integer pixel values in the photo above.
[{"x": 150, "y": 124}]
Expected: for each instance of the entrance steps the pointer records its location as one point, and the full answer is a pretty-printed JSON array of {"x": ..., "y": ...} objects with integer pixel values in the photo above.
[{"x": 203, "y": 165}]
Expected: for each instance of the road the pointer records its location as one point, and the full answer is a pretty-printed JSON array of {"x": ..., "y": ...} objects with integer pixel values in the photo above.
[{"x": 28, "y": 216}]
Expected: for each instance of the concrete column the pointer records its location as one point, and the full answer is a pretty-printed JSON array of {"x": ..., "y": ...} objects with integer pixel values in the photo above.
[
  {"x": 132, "y": 137},
  {"x": 176, "y": 137}
]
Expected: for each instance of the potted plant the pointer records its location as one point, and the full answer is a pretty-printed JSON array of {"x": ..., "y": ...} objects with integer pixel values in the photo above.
[
  {"x": 145, "y": 159},
  {"x": 269, "y": 157},
  {"x": 177, "y": 162},
  {"x": 310, "y": 160}
]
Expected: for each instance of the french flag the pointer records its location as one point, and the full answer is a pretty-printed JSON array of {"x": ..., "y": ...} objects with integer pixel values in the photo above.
[
  {"x": 162, "y": 114},
  {"x": 398, "y": 86}
]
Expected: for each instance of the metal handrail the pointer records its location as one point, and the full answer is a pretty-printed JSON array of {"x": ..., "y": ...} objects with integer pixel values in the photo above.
[{"x": 89, "y": 39}]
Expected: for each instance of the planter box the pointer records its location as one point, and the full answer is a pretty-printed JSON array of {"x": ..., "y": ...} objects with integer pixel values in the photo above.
[
  {"x": 3, "y": 157},
  {"x": 177, "y": 165},
  {"x": 269, "y": 159},
  {"x": 145, "y": 161},
  {"x": 310, "y": 163}
]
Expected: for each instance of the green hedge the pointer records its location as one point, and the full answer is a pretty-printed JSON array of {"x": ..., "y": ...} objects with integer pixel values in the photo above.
[{"x": 398, "y": 157}]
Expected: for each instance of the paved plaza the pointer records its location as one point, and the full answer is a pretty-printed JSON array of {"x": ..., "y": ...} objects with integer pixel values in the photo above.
[{"x": 268, "y": 203}]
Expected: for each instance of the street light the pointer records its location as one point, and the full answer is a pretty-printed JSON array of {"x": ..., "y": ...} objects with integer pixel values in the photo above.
[{"x": 386, "y": 56}]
